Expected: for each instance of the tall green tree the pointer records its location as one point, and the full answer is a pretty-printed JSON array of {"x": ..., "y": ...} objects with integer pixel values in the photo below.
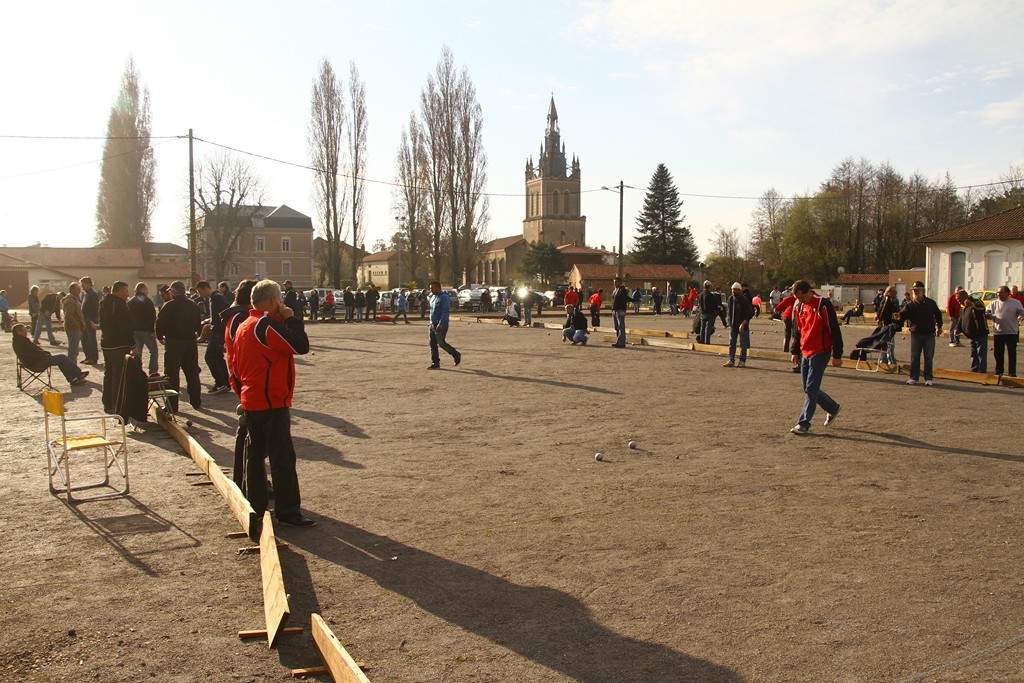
[
  {"x": 127, "y": 192},
  {"x": 543, "y": 263},
  {"x": 662, "y": 236}
]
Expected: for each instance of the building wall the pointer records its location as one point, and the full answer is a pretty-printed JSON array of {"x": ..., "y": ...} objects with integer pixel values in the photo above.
[
  {"x": 553, "y": 212},
  {"x": 273, "y": 261},
  {"x": 987, "y": 265}
]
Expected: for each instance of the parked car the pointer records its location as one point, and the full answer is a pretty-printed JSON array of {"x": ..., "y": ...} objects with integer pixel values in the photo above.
[
  {"x": 469, "y": 297},
  {"x": 985, "y": 296},
  {"x": 384, "y": 303}
]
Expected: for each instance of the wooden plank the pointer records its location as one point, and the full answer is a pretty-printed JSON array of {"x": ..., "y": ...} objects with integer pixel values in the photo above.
[
  {"x": 308, "y": 671},
  {"x": 236, "y": 501},
  {"x": 631, "y": 339},
  {"x": 647, "y": 333},
  {"x": 190, "y": 445},
  {"x": 669, "y": 343},
  {"x": 341, "y": 665},
  {"x": 275, "y": 599}
]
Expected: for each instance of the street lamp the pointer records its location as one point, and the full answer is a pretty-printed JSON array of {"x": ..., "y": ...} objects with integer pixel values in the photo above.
[{"x": 401, "y": 221}]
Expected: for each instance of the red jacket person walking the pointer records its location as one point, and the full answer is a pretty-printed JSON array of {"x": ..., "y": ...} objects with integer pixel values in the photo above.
[
  {"x": 816, "y": 337},
  {"x": 264, "y": 363}
]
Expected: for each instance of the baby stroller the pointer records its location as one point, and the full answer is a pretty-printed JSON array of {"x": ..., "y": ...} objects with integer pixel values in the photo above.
[{"x": 881, "y": 341}]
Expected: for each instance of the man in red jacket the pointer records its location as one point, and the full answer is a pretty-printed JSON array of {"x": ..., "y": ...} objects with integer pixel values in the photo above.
[
  {"x": 264, "y": 365},
  {"x": 953, "y": 311},
  {"x": 816, "y": 336}
]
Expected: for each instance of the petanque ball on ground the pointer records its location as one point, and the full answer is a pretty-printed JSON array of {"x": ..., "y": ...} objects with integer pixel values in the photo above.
[
  {"x": 188, "y": 423},
  {"x": 632, "y": 444},
  {"x": 599, "y": 456}
]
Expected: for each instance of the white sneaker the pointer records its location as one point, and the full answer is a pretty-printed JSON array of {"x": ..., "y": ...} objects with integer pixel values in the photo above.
[
  {"x": 928, "y": 383},
  {"x": 952, "y": 345},
  {"x": 741, "y": 364},
  {"x": 830, "y": 418},
  {"x": 911, "y": 381},
  {"x": 800, "y": 430}
]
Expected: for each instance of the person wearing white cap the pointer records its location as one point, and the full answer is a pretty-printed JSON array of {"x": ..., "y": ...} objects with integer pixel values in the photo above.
[{"x": 738, "y": 313}]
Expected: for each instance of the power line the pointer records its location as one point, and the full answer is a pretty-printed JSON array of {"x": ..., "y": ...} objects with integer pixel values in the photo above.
[
  {"x": 86, "y": 163},
  {"x": 92, "y": 137}
]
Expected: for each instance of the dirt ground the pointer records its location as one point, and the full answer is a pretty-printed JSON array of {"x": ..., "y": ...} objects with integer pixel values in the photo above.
[{"x": 466, "y": 533}]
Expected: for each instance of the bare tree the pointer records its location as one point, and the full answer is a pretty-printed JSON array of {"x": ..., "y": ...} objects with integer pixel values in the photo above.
[
  {"x": 357, "y": 160},
  {"x": 127, "y": 191},
  {"x": 227, "y": 193},
  {"x": 457, "y": 164},
  {"x": 326, "y": 131},
  {"x": 769, "y": 220},
  {"x": 412, "y": 198}
]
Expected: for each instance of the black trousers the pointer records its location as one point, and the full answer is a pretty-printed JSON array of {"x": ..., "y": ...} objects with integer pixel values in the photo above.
[
  {"x": 1007, "y": 343},
  {"x": 215, "y": 361},
  {"x": 182, "y": 355},
  {"x": 789, "y": 333},
  {"x": 241, "y": 436},
  {"x": 113, "y": 368},
  {"x": 270, "y": 435}
]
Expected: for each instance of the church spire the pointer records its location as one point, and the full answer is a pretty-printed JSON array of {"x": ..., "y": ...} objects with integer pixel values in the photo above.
[{"x": 552, "y": 116}]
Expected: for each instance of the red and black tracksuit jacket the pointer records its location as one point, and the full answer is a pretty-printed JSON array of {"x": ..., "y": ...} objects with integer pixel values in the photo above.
[
  {"x": 816, "y": 329},
  {"x": 263, "y": 359}
]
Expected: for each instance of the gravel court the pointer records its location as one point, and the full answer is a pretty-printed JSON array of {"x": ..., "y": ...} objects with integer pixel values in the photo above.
[{"x": 880, "y": 548}]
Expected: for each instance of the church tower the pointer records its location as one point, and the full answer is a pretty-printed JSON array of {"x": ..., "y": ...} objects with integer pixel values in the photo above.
[{"x": 553, "y": 193}]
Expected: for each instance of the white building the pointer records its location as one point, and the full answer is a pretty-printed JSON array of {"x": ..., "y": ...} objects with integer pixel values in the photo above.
[{"x": 985, "y": 254}]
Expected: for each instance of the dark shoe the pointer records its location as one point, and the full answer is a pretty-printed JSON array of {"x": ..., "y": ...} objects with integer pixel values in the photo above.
[
  {"x": 297, "y": 520},
  {"x": 618, "y": 346},
  {"x": 796, "y": 369},
  {"x": 255, "y": 527},
  {"x": 433, "y": 366},
  {"x": 458, "y": 358}
]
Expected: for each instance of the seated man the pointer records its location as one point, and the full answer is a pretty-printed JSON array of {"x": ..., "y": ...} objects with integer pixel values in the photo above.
[
  {"x": 511, "y": 314},
  {"x": 575, "y": 327},
  {"x": 37, "y": 359},
  {"x": 856, "y": 311}
]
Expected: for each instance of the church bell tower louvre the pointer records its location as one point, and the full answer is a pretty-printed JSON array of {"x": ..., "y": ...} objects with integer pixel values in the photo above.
[{"x": 553, "y": 192}]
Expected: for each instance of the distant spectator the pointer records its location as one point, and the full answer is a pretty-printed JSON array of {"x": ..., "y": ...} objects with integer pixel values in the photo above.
[
  {"x": 856, "y": 311},
  {"x": 74, "y": 321},
  {"x": 924, "y": 320},
  {"x": 974, "y": 326},
  {"x": 49, "y": 304},
  {"x": 5, "y": 310},
  {"x": 953, "y": 311},
  {"x": 143, "y": 312},
  {"x": 401, "y": 307},
  {"x": 117, "y": 341},
  {"x": 574, "y": 329},
  {"x": 91, "y": 313},
  {"x": 37, "y": 359},
  {"x": 596, "y": 301},
  {"x": 1006, "y": 314}
]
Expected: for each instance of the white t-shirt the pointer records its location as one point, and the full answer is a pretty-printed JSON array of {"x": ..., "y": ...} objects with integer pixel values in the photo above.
[{"x": 1005, "y": 316}]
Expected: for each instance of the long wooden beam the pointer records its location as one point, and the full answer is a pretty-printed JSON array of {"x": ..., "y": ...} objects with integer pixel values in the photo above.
[
  {"x": 275, "y": 599},
  {"x": 339, "y": 662}
]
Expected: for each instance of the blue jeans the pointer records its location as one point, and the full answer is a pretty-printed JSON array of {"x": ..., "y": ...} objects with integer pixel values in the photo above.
[
  {"x": 74, "y": 337},
  {"x": 979, "y": 354},
  {"x": 527, "y": 315},
  {"x": 707, "y": 329},
  {"x": 40, "y": 321},
  {"x": 921, "y": 343},
  {"x": 744, "y": 339},
  {"x": 619, "y": 318},
  {"x": 575, "y": 336},
  {"x": 437, "y": 336},
  {"x": 954, "y": 331},
  {"x": 812, "y": 370},
  {"x": 146, "y": 339}
]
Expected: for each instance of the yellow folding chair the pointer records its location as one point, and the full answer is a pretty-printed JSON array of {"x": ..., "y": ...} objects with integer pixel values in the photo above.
[{"x": 111, "y": 441}]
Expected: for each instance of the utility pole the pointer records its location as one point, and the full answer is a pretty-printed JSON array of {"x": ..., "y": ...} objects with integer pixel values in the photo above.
[
  {"x": 193, "y": 250},
  {"x": 622, "y": 194}
]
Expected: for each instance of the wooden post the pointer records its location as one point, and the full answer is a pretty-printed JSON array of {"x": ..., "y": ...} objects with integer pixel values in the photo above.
[{"x": 339, "y": 662}]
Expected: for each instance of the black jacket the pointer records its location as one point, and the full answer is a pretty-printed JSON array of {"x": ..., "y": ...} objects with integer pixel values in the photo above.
[
  {"x": 738, "y": 311},
  {"x": 115, "y": 323},
  {"x": 576, "y": 320},
  {"x": 710, "y": 304},
  {"x": 179, "y": 319},
  {"x": 91, "y": 306},
  {"x": 29, "y": 353},
  {"x": 923, "y": 317},
  {"x": 143, "y": 312},
  {"x": 218, "y": 304},
  {"x": 620, "y": 298}
]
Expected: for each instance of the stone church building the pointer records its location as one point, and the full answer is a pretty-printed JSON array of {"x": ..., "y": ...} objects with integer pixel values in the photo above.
[{"x": 552, "y": 212}]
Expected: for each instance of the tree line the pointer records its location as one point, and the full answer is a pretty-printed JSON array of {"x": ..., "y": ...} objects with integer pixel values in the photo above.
[{"x": 864, "y": 218}]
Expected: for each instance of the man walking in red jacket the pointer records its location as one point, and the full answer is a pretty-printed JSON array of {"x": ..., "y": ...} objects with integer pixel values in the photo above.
[
  {"x": 816, "y": 337},
  {"x": 264, "y": 362},
  {"x": 953, "y": 311}
]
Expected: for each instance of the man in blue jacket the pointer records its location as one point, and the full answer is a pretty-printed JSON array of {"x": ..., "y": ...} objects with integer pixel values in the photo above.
[{"x": 440, "y": 309}]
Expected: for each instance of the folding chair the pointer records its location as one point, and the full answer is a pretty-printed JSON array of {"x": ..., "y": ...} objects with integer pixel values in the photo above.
[
  {"x": 111, "y": 442},
  {"x": 27, "y": 376},
  {"x": 159, "y": 394},
  {"x": 889, "y": 351}
]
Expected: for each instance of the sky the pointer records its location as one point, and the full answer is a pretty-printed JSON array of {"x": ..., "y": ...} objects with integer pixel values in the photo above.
[{"x": 734, "y": 98}]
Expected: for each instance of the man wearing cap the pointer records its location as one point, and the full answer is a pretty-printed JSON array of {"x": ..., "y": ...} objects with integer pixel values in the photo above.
[
  {"x": 710, "y": 305},
  {"x": 1006, "y": 313},
  {"x": 816, "y": 337},
  {"x": 177, "y": 325},
  {"x": 620, "y": 300},
  {"x": 976, "y": 333},
  {"x": 924, "y": 320},
  {"x": 739, "y": 311}
]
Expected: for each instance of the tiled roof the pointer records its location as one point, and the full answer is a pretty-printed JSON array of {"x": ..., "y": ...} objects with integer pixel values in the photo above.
[
  {"x": 646, "y": 271},
  {"x": 502, "y": 243},
  {"x": 863, "y": 279},
  {"x": 573, "y": 249},
  {"x": 77, "y": 259},
  {"x": 165, "y": 248},
  {"x": 1007, "y": 225},
  {"x": 170, "y": 271},
  {"x": 379, "y": 256}
]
